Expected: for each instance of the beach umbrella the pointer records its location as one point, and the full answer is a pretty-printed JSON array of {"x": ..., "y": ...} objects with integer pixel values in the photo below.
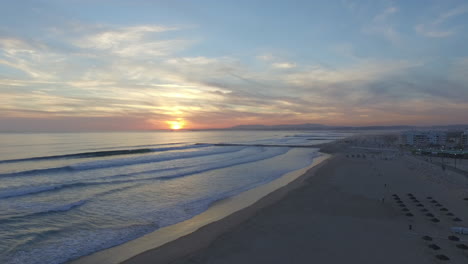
[
  {"x": 427, "y": 238},
  {"x": 435, "y": 220},
  {"x": 405, "y": 210},
  {"x": 430, "y": 215},
  {"x": 454, "y": 238},
  {"x": 443, "y": 209},
  {"x": 462, "y": 246},
  {"x": 429, "y": 197},
  {"x": 433, "y": 201},
  {"x": 420, "y": 205},
  {"x": 456, "y": 219},
  {"x": 438, "y": 205},
  {"x": 409, "y": 214},
  {"x": 424, "y": 210},
  {"x": 450, "y": 214},
  {"x": 442, "y": 257},
  {"x": 434, "y": 246},
  {"x": 402, "y": 205}
]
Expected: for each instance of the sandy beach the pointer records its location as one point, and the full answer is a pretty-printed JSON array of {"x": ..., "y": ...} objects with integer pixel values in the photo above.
[{"x": 343, "y": 211}]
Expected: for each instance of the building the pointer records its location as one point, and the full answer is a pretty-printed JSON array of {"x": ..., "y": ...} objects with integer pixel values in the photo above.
[
  {"x": 423, "y": 138},
  {"x": 437, "y": 138},
  {"x": 464, "y": 139}
]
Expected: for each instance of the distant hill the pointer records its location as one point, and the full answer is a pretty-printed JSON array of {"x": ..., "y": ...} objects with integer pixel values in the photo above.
[
  {"x": 280, "y": 127},
  {"x": 325, "y": 127}
]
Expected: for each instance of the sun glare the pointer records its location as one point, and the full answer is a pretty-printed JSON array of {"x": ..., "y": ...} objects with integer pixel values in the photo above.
[{"x": 176, "y": 125}]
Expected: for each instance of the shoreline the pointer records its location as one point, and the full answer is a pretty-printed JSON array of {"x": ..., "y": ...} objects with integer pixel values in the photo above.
[
  {"x": 364, "y": 205},
  {"x": 162, "y": 245}
]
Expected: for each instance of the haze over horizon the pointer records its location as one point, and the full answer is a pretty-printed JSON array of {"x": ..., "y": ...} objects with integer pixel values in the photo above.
[{"x": 138, "y": 65}]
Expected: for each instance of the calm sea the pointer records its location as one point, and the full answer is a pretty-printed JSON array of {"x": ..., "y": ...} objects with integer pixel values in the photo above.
[{"x": 67, "y": 195}]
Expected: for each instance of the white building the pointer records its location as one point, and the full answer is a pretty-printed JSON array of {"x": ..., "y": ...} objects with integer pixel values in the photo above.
[
  {"x": 423, "y": 138},
  {"x": 437, "y": 138},
  {"x": 464, "y": 138}
]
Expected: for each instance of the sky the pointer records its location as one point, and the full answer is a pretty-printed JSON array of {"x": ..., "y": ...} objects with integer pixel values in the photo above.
[{"x": 102, "y": 65}]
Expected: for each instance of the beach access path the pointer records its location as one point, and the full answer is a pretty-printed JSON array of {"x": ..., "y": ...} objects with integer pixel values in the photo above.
[{"x": 343, "y": 212}]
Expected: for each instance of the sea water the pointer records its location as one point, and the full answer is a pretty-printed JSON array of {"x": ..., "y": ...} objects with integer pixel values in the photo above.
[{"x": 63, "y": 196}]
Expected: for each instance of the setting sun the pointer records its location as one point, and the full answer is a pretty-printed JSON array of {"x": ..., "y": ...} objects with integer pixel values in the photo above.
[{"x": 176, "y": 125}]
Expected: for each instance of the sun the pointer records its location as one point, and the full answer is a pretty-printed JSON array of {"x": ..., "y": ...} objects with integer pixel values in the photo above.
[{"x": 176, "y": 125}]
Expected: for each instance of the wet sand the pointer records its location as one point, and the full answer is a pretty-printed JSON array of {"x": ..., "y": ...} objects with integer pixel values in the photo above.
[
  {"x": 341, "y": 212},
  {"x": 252, "y": 199}
]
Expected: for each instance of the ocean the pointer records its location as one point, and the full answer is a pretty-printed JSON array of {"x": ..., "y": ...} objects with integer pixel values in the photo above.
[{"x": 67, "y": 195}]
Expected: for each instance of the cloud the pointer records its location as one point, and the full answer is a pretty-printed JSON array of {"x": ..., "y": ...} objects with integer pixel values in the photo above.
[
  {"x": 284, "y": 65},
  {"x": 382, "y": 17},
  {"x": 381, "y": 25},
  {"x": 458, "y": 70},
  {"x": 23, "y": 56},
  {"x": 363, "y": 70},
  {"x": 136, "y": 41},
  {"x": 460, "y": 10},
  {"x": 143, "y": 76},
  {"x": 435, "y": 29},
  {"x": 428, "y": 31},
  {"x": 266, "y": 57}
]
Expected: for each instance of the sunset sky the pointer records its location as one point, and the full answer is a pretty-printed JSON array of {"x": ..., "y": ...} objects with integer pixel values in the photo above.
[{"x": 87, "y": 65}]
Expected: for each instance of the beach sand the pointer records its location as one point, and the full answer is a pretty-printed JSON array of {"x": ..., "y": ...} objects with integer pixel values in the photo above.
[{"x": 342, "y": 211}]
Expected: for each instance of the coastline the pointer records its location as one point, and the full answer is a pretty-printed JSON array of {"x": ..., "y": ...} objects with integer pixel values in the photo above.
[
  {"x": 205, "y": 227},
  {"x": 342, "y": 210},
  {"x": 365, "y": 205}
]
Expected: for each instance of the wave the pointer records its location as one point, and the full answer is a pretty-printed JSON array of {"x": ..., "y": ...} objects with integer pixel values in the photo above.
[
  {"x": 325, "y": 136},
  {"x": 69, "y": 244},
  {"x": 26, "y": 191},
  {"x": 117, "y": 163},
  {"x": 257, "y": 156},
  {"x": 57, "y": 209},
  {"x": 65, "y": 207},
  {"x": 104, "y": 153},
  {"x": 142, "y": 146},
  {"x": 62, "y": 208}
]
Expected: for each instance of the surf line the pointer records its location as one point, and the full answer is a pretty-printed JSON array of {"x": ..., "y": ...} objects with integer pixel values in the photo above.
[
  {"x": 217, "y": 211},
  {"x": 258, "y": 145}
]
